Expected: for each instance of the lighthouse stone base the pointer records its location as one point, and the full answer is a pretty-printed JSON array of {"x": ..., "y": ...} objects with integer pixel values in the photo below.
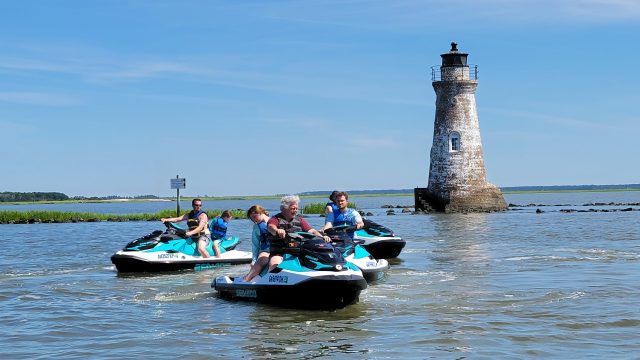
[{"x": 486, "y": 198}]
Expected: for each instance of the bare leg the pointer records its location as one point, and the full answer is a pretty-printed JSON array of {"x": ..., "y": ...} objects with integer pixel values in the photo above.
[
  {"x": 274, "y": 261},
  {"x": 263, "y": 259},
  {"x": 202, "y": 249},
  {"x": 216, "y": 248}
]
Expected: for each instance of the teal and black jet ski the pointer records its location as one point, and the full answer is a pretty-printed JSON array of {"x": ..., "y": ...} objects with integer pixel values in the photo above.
[
  {"x": 379, "y": 241},
  {"x": 172, "y": 250},
  {"x": 353, "y": 251},
  {"x": 313, "y": 275}
]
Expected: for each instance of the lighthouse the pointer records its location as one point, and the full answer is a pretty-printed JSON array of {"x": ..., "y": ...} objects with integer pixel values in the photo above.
[{"x": 457, "y": 175}]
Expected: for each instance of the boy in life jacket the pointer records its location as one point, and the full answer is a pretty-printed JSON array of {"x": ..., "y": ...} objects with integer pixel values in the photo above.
[{"x": 219, "y": 224}]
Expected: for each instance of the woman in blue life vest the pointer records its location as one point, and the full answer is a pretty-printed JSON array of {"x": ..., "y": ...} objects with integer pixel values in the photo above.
[
  {"x": 344, "y": 215},
  {"x": 259, "y": 240},
  {"x": 197, "y": 221}
]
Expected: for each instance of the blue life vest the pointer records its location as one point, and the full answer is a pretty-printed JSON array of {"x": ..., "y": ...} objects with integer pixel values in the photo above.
[
  {"x": 348, "y": 218},
  {"x": 193, "y": 220},
  {"x": 334, "y": 207},
  {"x": 218, "y": 228},
  {"x": 264, "y": 239}
]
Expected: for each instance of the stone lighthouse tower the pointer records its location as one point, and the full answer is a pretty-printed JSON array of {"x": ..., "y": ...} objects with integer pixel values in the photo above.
[{"x": 457, "y": 176}]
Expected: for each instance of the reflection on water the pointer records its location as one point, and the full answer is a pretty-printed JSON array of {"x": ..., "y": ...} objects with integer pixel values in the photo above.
[
  {"x": 305, "y": 334},
  {"x": 460, "y": 238}
]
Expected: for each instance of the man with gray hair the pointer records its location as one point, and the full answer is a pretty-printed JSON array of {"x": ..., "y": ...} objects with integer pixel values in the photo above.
[{"x": 288, "y": 221}]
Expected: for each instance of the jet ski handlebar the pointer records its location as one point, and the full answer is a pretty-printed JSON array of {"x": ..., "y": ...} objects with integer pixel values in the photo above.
[
  {"x": 301, "y": 236},
  {"x": 341, "y": 229},
  {"x": 175, "y": 229},
  {"x": 341, "y": 234}
]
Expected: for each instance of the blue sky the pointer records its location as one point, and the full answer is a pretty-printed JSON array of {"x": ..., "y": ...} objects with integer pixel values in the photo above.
[{"x": 266, "y": 97}]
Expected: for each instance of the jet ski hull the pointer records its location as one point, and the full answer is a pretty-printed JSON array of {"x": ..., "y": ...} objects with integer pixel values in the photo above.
[
  {"x": 137, "y": 261},
  {"x": 382, "y": 248},
  {"x": 372, "y": 269},
  {"x": 294, "y": 290},
  {"x": 172, "y": 251}
]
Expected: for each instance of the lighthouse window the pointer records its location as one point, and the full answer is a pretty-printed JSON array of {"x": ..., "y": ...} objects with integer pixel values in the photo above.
[{"x": 454, "y": 142}]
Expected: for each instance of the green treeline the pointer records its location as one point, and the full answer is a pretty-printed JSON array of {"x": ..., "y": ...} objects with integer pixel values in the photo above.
[
  {"x": 57, "y": 196},
  {"x": 32, "y": 196}
]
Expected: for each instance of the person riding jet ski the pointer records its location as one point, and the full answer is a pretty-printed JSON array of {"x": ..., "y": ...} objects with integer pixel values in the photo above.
[
  {"x": 285, "y": 222},
  {"x": 344, "y": 222},
  {"x": 198, "y": 222}
]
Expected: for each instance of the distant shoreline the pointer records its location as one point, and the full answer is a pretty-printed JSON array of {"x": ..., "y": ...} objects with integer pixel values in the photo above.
[{"x": 314, "y": 195}]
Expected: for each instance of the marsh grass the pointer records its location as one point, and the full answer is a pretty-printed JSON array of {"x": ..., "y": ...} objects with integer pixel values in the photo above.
[
  {"x": 318, "y": 208},
  {"x": 41, "y": 216}
]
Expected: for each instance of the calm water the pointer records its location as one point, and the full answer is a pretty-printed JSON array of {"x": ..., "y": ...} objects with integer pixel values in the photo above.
[{"x": 504, "y": 285}]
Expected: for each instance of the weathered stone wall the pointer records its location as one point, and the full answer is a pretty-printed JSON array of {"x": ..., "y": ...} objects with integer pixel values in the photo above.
[
  {"x": 457, "y": 179},
  {"x": 476, "y": 199},
  {"x": 456, "y": 111},
  {"x": 454, "y": 73}
]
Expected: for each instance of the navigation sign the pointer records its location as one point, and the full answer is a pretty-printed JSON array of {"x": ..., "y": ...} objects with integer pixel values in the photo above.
[{"x": 178, "y": 183}]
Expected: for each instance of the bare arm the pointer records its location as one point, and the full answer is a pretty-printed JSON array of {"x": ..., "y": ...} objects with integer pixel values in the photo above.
[
  {"x": 174, "y": 219},
  {"x": 273, "y": 229},
  {"x": 359, "y": 221}
]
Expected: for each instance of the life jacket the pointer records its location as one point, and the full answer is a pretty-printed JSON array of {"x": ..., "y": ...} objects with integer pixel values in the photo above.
[
  {"x": 346, "y": 218},
  {"x": 276, "y": 243},
  {"x": 218, "y": 228},
  {"x": 193, "y": 220},
  {"x": 292, "y": 226},
  {"x": 264, "y": 233},
  {"x": 334, "y": 207}
]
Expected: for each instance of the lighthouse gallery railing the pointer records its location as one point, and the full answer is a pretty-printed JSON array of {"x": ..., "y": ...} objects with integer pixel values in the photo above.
[{"x": 469, "y": 72}]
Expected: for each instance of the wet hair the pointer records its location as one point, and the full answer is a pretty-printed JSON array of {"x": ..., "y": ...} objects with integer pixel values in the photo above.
[
  {"x": 289, "y": 200},
  {"x": 194, "y": 201},
  {"x": 226, "y": 214},
  {"x": 256, "y": 209},
  {"x": 332, "y": 197}
]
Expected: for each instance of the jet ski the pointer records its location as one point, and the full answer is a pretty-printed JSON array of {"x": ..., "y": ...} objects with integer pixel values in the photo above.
[
  {"x": 352, "y": 250},
  {"x": 172, "y": 250},
  {"x": 379, "y": 241},
  {"x": 312, "y": 275}
]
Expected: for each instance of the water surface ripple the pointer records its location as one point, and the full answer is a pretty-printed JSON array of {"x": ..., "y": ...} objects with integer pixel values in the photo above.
[{"x": 504, "y": 285}]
